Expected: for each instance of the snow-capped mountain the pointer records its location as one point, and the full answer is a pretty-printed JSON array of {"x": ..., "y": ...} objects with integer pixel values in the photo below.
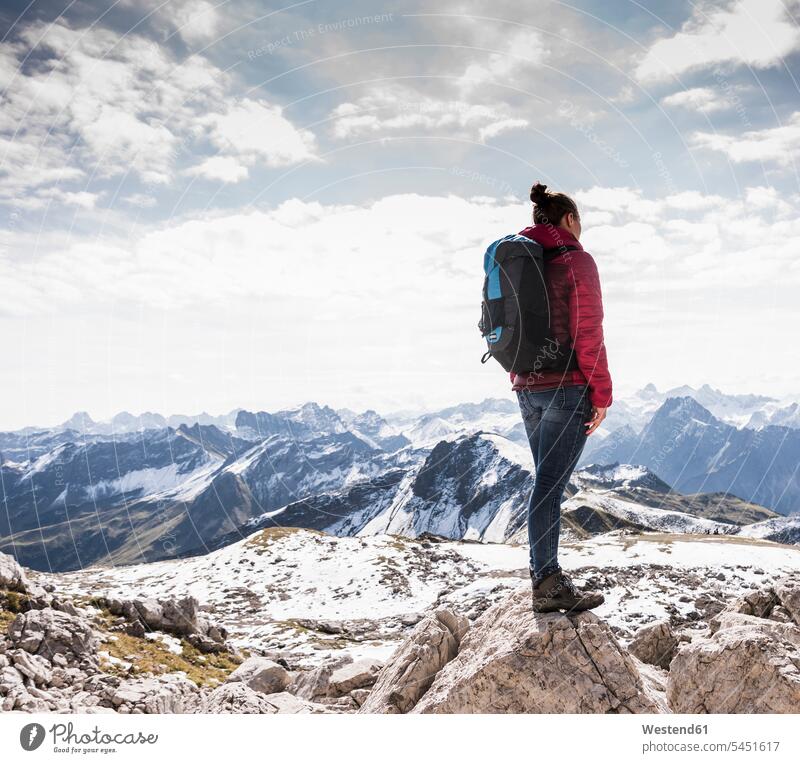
[
  {"x": 311, "y": 420},
  {"x": 126, "y": 423},
  {"x": 464, "y": 472},
  {"x": 636, "y": 410},
  {"x": 782, "y": 416},
  {"x": 688, "y": 447}
]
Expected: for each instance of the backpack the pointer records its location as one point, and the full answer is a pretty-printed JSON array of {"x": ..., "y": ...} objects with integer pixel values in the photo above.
[{"x": 515, "y": 312}]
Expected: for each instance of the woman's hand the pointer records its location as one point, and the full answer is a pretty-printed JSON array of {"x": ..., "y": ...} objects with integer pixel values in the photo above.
[{"x": 598, "y": 414}]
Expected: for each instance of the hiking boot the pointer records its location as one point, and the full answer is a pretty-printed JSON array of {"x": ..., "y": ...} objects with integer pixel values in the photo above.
[{"x": 557, "y": 591}]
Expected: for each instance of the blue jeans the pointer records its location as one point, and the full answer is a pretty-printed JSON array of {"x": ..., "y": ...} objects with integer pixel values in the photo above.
[{"x": 554, "y": 422}]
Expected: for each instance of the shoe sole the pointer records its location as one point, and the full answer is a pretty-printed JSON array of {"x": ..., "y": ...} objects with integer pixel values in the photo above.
[{"x": 555, "y": 607}]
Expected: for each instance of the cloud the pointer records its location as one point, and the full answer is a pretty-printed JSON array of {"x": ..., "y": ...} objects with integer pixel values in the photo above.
[
  {"x": 196, "y": 21},
  {"x": 692, "y": 242},
  {"x": 523, "y": 50},
  {"x": 396, "y": 109},
  {"x": 94, "y": 104},
  {"x": 313, "y": 252},
  {"x": 702, "y": 99},
  {"x": 262, "y": 304},
  {"x": 775, "y": 144},
  {"x": 259, "y": 131},
  {"x": 224, "y": 168},
  {"x": 756, "y": 33}
]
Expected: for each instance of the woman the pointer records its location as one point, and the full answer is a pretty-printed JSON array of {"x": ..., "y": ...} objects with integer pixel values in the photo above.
[{"x": 560, "y": 409}]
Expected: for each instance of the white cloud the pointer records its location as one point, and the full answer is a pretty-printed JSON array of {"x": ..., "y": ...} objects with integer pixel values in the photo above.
[
  {"x": 98, "y": 104},
  {"x": 256, "y": 129},
  {"x": 702, "y": 99},
  {"x": 522, "y": 50},
  {"x": 225, "y": 168},
  {"x": 314, "y": 253},
  {"x": 297, "y": 301},
  {"x": 397, "y": 109},
  {"x": 774, "y": 144},
  {"x": 196, "y": 21},
  {"x": 139, "y": 200},
  {"x": 757, "y": 33}
]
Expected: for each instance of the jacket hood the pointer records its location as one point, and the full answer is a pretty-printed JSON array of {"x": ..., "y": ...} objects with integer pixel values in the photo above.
[{"x": 550, "y": 236}]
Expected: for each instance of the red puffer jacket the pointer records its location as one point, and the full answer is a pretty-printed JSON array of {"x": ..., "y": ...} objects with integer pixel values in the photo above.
[{"x": 576, "y": 314}]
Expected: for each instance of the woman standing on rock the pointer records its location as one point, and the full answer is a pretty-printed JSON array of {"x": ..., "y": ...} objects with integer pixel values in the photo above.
[{"x": 560, "y": 409}]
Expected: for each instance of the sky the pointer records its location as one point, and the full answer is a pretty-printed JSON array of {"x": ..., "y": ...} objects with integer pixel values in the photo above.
[{"x": 207, "y": 205}]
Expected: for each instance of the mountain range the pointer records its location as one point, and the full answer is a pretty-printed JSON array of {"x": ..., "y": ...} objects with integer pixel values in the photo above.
[{"x": 139, "y": 489}]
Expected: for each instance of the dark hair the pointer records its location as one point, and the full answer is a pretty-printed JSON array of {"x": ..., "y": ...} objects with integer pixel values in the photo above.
[{"x": 549, "y": 206}]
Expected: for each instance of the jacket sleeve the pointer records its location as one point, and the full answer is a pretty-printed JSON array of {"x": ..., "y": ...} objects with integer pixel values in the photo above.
[{"x": 586, "y": 328}]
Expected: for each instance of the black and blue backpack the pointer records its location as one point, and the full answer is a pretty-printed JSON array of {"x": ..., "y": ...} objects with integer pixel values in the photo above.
[{"x": 515, "y": 311}]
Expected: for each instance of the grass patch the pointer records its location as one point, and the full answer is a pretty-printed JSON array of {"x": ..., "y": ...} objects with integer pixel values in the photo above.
[
  {"x": 317, "y": 638},
  {"x": 6, "y": 618},
  {"x": 14, "y": 601},
  {"x": 153, "y": 656},
  {"x": 262, "y": 540}
]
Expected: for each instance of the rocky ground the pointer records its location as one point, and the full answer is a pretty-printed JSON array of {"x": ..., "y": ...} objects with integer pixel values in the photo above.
[{"x": 298, "y": 621}]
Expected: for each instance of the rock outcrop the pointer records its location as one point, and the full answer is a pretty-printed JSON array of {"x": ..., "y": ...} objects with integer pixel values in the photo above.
[
  {"x": 12, "y": 576},
  {"x": 59, "y": 637},
  {"x": 654, "y": 644},
  {"x": 515, "y": 661},
  {"x": 262, "y": 675},
  {"x": 354, "y": 675},
  {"x": 750, "y": 661},
  {"x": 236, "y": 697},
  {"x": 410, "y": 671},
  {"x": 181, "y": 617}
]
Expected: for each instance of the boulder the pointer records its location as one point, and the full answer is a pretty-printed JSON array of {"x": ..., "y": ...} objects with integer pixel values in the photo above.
[
  {"x": 355, "y": 675},
  {"x": 359, "y": 696},
  {"x": 236, "y": 697},
  {"x": 758, "y": 603},
  {"x": 409, "y": 672},
  {"x": 34, "y": 667},
  {"x": 515, "y": 661},
  {"x": 285, "y": 703},
  {"x": 654, "y": 644},
  {"x": 261, "y": 674},
  {"x": 748, "y": 665},
  {"x": 12, "y": 576},
  {"x": 171, "y": 693},
  {"x": 788, "y": 592},
  {"x": 315, "y": 683},
  {"x": 47, "y": 632},
  {"x": 181, "y": 617}
]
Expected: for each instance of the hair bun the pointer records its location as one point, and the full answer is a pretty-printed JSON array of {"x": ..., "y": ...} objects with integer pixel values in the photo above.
[{"x": 539, "y": 193}]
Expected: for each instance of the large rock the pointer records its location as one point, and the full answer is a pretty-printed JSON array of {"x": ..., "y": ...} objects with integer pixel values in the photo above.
[
  {"x": 181, "y": 617},
  {"x": 515, "y": 661},
  {"x": 788, "y": 592},
  {"x": 355, "y": 675},
  {"x": 654, "y": 644},
  {"x": 288, "y": 704},
  {"x": 433, "y": 642},
  {"x": 48, "y": 633},
  {"x": 748, "y": 665},
  {"x": 315, "y": 683},
  {"x": 37, "y": 668},
  {"x": 173, "y": 693},
  {"x": 12, "y": 576},
  {"x": 261, "y": 674},
  {"x": 236, "y": 697}
]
